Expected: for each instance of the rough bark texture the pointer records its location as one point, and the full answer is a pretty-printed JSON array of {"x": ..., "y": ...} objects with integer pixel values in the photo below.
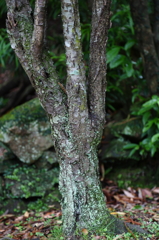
[
  {"x": 76, "y": 115},
  {"x": 146, "y": 43}
]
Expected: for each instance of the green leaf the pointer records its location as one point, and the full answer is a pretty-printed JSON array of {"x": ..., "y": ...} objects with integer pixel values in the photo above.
[
  {"x": 146, "y": 117},
  {"x": 112, "y": 53},
  {"x": 150, "y": 103},
  {"x": 130, "y": 145},
  {"x": 153, "y": 150},
  {"x": 148, "y": 125},
  {"x": 129, "y": 44},
  {"x": 142, "y": 152},
  {"x": 155, "y": 97},
  {"x": 133, "y": 151},
  {"x": 122, "y": 77},
  {"x": 129, "y": 69},
  {"x": 118, "y": 60},
  {"x": 155, "y": 138}
]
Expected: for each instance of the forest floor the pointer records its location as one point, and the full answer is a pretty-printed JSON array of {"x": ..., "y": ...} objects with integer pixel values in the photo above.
[{"x": 135, "y": 206}]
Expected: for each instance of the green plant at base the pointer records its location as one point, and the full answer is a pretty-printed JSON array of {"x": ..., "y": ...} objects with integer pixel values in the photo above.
[{"x": 149, "y": 112}]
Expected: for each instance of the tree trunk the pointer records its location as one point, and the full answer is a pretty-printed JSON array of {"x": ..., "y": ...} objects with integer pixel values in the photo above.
[
  {"x": 76, "y": 114},
  {"x": 83, "y": 204},
  {"x": 156, "y": 26},
  {"x": 139, "y": 10}
]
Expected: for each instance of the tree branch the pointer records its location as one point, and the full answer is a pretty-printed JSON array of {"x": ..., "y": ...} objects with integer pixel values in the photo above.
[
  {"x": 39, "y": 28},
  {"x": 97, "y": 64},
  {"x": 76, "y": 79},
  {"x": 39, "y": 68}
]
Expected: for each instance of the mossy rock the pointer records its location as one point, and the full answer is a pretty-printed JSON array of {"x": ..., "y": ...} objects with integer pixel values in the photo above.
[
  {"x": 130, "y": 128},
  {"x": 7, "y": 158},
  {"x": 115, "y": 150},
  {"x": 26, "y": 130},
  {"x": 25, "y": 182},
  {"x": 133, "y": 177},
  {"x": 13, "y": 206},
  {"x": 47, "y": 160},
  {"x": 17, "y": 205}
]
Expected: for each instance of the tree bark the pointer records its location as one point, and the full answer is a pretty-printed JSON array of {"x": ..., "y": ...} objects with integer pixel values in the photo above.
[
  {"x": 139, "y": 10},
  {"x": 156, "y": 26},
  {"x": 77, "y": 115},
  {"x": 79, "y": 180}
]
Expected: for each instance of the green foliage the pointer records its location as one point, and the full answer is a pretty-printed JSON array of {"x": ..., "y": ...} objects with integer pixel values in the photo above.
[
  {"x": 54, "y": 8},
  {"x": 3, "y": 7},
  {"x": 29, "y": 181},
  {"x": 124, "y": 68},
  {"x": 120, "y": 44},
  {"x": 6, "y": 53},
  {"x": 149, "y": 111},
  {"x": 3, "y": 102}
]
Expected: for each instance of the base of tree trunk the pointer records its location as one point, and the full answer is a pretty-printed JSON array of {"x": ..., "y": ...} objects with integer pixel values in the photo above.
[
  {"x": 83, "y": 203},
  {"x": 116, "y": 227}
]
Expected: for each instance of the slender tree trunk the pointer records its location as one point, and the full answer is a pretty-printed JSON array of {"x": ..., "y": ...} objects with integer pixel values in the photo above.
[
  {"x": 77, "y": 115},
  {"x": 156, "y": 25},
  {"x": 144, "y": 35}
]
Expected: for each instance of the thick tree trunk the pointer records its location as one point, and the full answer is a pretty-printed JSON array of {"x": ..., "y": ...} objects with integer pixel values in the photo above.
[
  {"x": 83, "y": 203},
  {"x": 77, "y": 115},
  {"x": 144, "y": 35}
]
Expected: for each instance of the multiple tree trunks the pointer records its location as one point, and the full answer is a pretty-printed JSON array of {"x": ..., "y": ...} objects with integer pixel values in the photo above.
[
  {"x": 76, "y": 111},
  {"x": 144, "y": 35}
]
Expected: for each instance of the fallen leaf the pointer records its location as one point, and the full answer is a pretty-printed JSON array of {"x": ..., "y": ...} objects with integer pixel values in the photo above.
[
  {"x": 118, "y": 237},
  {"x": 85, "y": 231},
  {"x": 156, "y": 217},
  {"x": 119, "y": 200},
  {"x": 26, "y": 214},
  {"x": 128, "y": 194},
  {"x": 155, "y": 190},
  {"x": 118, "y": 213},
  {"x": 59, "y": 222}
]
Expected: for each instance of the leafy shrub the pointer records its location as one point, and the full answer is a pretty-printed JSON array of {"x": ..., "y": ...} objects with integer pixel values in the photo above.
[{"x": 149, "y": 112}]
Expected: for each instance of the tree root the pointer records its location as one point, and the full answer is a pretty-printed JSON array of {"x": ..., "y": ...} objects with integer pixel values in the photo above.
[
  {"x": 117, "y": 227},
  {"x": 121, "y": 227}
]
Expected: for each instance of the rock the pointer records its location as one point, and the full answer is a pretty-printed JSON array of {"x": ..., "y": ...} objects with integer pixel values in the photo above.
[
  {"x": 130, "y": 128},
  {"x": 134, "y": 176},
  {"x": 26, "y": 130},
  {"x": 17, "y": 205},
  {"x": 25, "y": 182},
  {"x": 114, "y": 150},
  {"x": 47, "y": 159},
  {"x": 13, "y": 206},
  {"x": 7, "y": 158}
]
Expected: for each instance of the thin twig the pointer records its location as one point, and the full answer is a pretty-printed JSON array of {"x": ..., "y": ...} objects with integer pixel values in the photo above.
[{"x": 128, "y": 229}]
